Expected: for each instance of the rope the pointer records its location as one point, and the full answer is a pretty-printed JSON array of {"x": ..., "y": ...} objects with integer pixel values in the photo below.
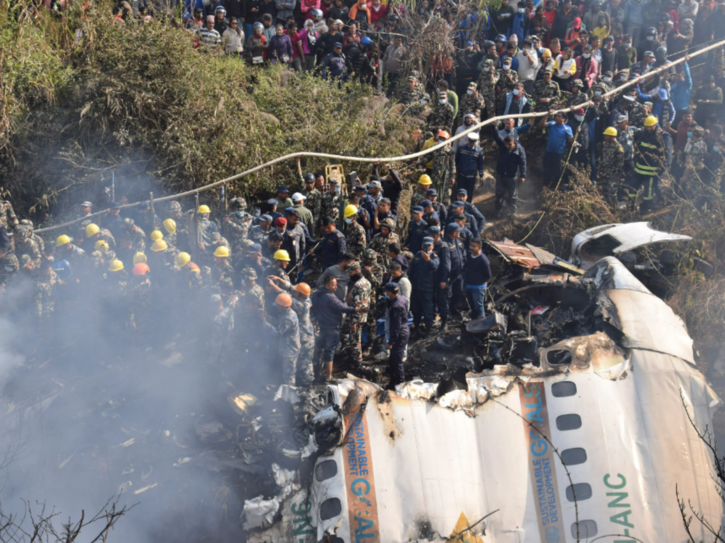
[{"x": 402, "y": 158}]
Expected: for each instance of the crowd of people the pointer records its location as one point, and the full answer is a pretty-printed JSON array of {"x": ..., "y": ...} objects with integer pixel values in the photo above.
[{"x": 373, "y": 269}]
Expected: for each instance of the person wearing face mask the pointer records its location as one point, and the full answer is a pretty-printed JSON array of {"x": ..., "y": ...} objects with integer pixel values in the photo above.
[
  {"x": 529, "y": 65},
  {"x": 472, "y": 101},
  {"x": 648, "y": 42},
  {"x": 517, "y": 102},
  {"x": 466, "y": 66},
  {"x": 564, "y": 69},
  {"x": 586, "y": 68},
  {"x": 708, "y": 99},
  {"x": 626, "y": 54},
  {"x": 487, "y": 85},
  {"x": 441, "y": 118},
  {"x": 507, "y": 80},
  {"x": 333, "y": 202},
  {"x": 422, "y": 275},
  {"x": 634, "y": 18},
  {"x": 520, "y": 22},
  {"x": 360, "y": 13},
  {"x": 510, "y": 54}
]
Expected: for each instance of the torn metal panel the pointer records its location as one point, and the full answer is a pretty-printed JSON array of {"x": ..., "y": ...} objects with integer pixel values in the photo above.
[
  {"x": 591, "y": 245},
  {"x": 531, "y": 257}
]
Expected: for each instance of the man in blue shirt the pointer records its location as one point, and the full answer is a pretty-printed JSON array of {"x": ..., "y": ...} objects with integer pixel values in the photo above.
[
  {"x": 680, "y": 90},
  {"x": 560, "y": 134}
]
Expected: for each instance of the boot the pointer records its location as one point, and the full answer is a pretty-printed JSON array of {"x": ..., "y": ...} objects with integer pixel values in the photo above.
[{"x": 444, "y": 321}]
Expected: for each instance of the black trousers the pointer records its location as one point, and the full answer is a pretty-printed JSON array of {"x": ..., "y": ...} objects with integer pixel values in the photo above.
[
  {"x": 552, "y": 169},
  {"x": 458, "y": 295},
  {"x": 397, "y": 372},
  {"x": 466, "y": 182},
  {"x": 507, "y": 188},
  {"x": 421, "y": 304}
]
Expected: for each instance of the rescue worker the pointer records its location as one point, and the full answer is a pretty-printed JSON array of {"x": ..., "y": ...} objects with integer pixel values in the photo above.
[
  {"x": 398, "y": 306},
  {"x": 237, "y": 224},
  {"x": 469, "y": 164},
  {"x": 383, "y": 239},
  {"x": 457, "y": 253},
  {"x": 424, "y": 181},
  {"x": 359, "y": 294},
  {"x": 332, "y": 244},
  {"x": 301, "y": 305},
  {"x": 94, "y": 233},
  {"x": 355, "y": 235},
  {"x": 422, "y": 274},
  {"x": 610, "y": 166},
  {"x": 416, "y": 229},
  {"x": 286, "y": 332},
  {"x": 649, "y": 161},
  {"x": 443, "y": 171}
]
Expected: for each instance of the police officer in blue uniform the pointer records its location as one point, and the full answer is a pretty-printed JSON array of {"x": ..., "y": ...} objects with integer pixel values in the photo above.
[
  {"x": 416, "y": 230},
  {"x": 458, "y": 259},
  {"x": 332, "y": 244},
  {"x": 422, "y": 275}
]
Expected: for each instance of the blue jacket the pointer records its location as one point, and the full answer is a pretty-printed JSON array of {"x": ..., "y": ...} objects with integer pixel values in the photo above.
[
  {"x": 633, "y": 12},
  {"x": 416, "y": 233},
  {"x": 470, "y": 209},
  {"x": 331, "y": 248},
  {"x": 422, "y": 274},
  {"x": 333, "y": 65},
  {"x": 680, "y": 92},
  {"x": 471, "y": 223},
  {"x": 398, "y": 312},
  {"x": 469, "y": 160},
  {"x": 328, "y": 309},
  {"x": 444, "y": 255},
  {"x": 518, "y": 27},
  {"x": 458, "y": 256}
]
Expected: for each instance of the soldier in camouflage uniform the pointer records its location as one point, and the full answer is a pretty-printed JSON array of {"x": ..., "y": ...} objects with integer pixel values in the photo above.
[
  {"x": 37, "y": 239},
  {"x": 623, "y": 76},
  {"x": 359, "y": 294},
  {"x": 441, "y": 118},
  {"x": 382, "y": 240},
  {"x": 546, "y": 92},
  {"x": 313, "y": 197},
  {"x": 424, "y": 183},
  {"x": 140, "y": 302},
  {"x": 695, "y": 154},
  {"x": 412, "y": 93},
  {"x": 576, "y": 97},
  {"x": 8, "y": 220},
  {"x": 25, "y": 245},
  {"x": 610, "y": 166},
  {"x": 472, "y": 102},
  {"x": 373, "y": 272},
  {"x": 251, "y": 288},
  {"x": 9, "y": 273},
  {"x": 301, "y": 305},
  {"x": 237, "y": 224},
  {"x": 45, "y": 292},
  {"x": 132, "y": 240},
  {"x": 223, "y": 326},
  {"x": 506, "y": 82},
  {"x": 182, "y": 226},
  {"x": 332, "y": 203},
  {"x": 637, "y": 114},
  {"x": 355, "y": 237},
  {"x": 487, "y": 84},
  {"x": 443, "y": 171}
]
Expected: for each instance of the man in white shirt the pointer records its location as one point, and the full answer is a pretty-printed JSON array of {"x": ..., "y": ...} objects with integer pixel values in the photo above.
[{"x": 529, "y": 65}]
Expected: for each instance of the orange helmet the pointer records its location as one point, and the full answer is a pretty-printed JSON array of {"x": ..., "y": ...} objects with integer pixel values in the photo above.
[
  {"x": 283, "y": 299},
  {"x": 443, "y": 134},
  {"x": 141, "y": 269},
  {"x": 303, "y": 288}
]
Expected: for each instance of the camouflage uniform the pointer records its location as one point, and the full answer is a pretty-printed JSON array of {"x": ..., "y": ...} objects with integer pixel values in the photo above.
[
  {"x": 313, "y": 202},
  {"x": 417, "y": 197},
  {"x": 257, "y": 235},
  {"x": 441, "y": 118},
  {"x": 133, "y": 236},
  {"x": 358, "y": 295},
  {"x": 444, "y": 169},
  {"x": 221, "y": 333},
  {"x": 287, "y": 334},
  {"x": 355, "y": 238},
  {"x": 410, "y": 97},
  {"x": 222, "y": 271},
  {"x": 139, "y": 302},
  {"x": 25, "y": 245},
  {"x": 471, "y": 104},
  {"x": 305, "y": 369},
  {"x": 9, "y": 273},
  {"x": 8, "y": 220},
  {"x": 506, "y": 82},
  {"x": 331, "y": 204},
  {"x": 45, "y": 294},
  {"x": 542, "y": 89},
  {"x": 380, "y": 245},
  {"x": 373, "y": 272},
  {"x": 694, "y": 156},
  {"x": 181, "y": 236},
  {"x": 580, "y": 98},
  {"x": 637, "y": 115},
  {"x": 487, "y": 84},
  {"x": 237, "y": 228},
  {"x": 610, "y": 167},
  {"x": 252, "y": 288}
]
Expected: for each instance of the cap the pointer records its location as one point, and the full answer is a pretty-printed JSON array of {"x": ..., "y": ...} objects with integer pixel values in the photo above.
[
  {"x": 337, "y": 45},
  {"x": 254, "y": 248},
  {"x": 418, "y": 209},
  {"x": 428, "y": 241},
  {"x": 272, "y": 202},
  {"x": 412, "y": 78},
  {"x": 282, "y": 189},
  {"x": 469, "y": 42},
  {"x": 648, "y": 104},
  {"x": 609, "y": 73},
  {"x": 453, "y": 227},
  {"x": 577, "y": 83},
  {"x": 376, "y": 184},
  {"x": 663, "y": 94},
  {"x": 115, "y": 205},
  {"x": 433, "y": 230},
  {"x": 297, "y": 197},
  {"x": 426, "y": 203},
  {"x": 649, "y": 54},
  {"x": 430, "y": 192},
  {"x": 628, "y": 97},
  {"x": 488, "y": 62},
  {"x": 456, "y": 204},
  {"x": 462, "y": 191},
  {"x": 360, "y": 188},
  {"x": 579, "y": 111},
  {"x": 86, "y": 204},
  {"x": 266, "y": 218},
  {"x": 472, "y": 85},
  {"x": 473, "y": 136},
  {"x": 622, "y": 119},
  {"x": 353, "y": 267},
  {"x": 391, "y": 287}
]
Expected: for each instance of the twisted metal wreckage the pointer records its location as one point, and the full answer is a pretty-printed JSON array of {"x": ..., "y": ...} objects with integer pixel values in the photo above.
[{"x": 575, "y": 423}]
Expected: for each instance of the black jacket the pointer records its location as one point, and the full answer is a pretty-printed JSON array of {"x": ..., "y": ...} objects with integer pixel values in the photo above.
[{"x": 510, "y": 163}]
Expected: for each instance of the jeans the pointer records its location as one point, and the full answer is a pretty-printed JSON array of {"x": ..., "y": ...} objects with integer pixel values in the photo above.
[
  {"x": 476, "y": 295},
  {"x": 326, "y": 344}
]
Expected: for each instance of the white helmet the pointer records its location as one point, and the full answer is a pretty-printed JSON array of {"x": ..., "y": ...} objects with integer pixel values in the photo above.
[{"x": 317, "y": 14}]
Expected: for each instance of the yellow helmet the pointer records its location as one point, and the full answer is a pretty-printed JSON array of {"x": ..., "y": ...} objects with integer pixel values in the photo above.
[
  {"x": 159, "y": 245},
  {"x": 156, "y": 234},
  {"x": 610, "y": 131},
  {"x": 350, "y": 211},
  {"x": 101, "y": 245},
  {"x": 170, "y": 226},
  {"x": 425, "y": 180},
  {"x": 62, "y": 240},
  {"x": 204, "y": 209},
  {"x": 92, "y": 230},
  {"x": 650, "y": 121},
  {"x": 183, "y": 259},
  {"x": 221, "y": 252},
  {"x": 139, "y": 258},
  {"x": 281, "y": 255},
  {"x": 116, "y": 265}
]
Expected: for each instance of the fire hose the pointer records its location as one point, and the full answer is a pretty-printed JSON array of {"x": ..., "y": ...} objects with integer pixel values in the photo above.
[{"x": 418, "y": 154}]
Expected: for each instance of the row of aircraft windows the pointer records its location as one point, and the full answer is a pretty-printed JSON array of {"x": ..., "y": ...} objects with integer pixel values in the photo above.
[{"x": 572, "y": 457}]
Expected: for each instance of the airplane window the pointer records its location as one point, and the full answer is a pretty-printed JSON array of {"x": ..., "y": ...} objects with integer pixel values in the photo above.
[
  {"x": 587, "y": 529},
  {"x": 326, "y": 470},
  {"x": 563, "y": 389},
  {"x": 572, "y": 457},
  {"x": 567, "y": 422},
  {"x": 583, "y": 492},
  {"x": 559, "y": 357},
  {"x": 330, "y": 508}
]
